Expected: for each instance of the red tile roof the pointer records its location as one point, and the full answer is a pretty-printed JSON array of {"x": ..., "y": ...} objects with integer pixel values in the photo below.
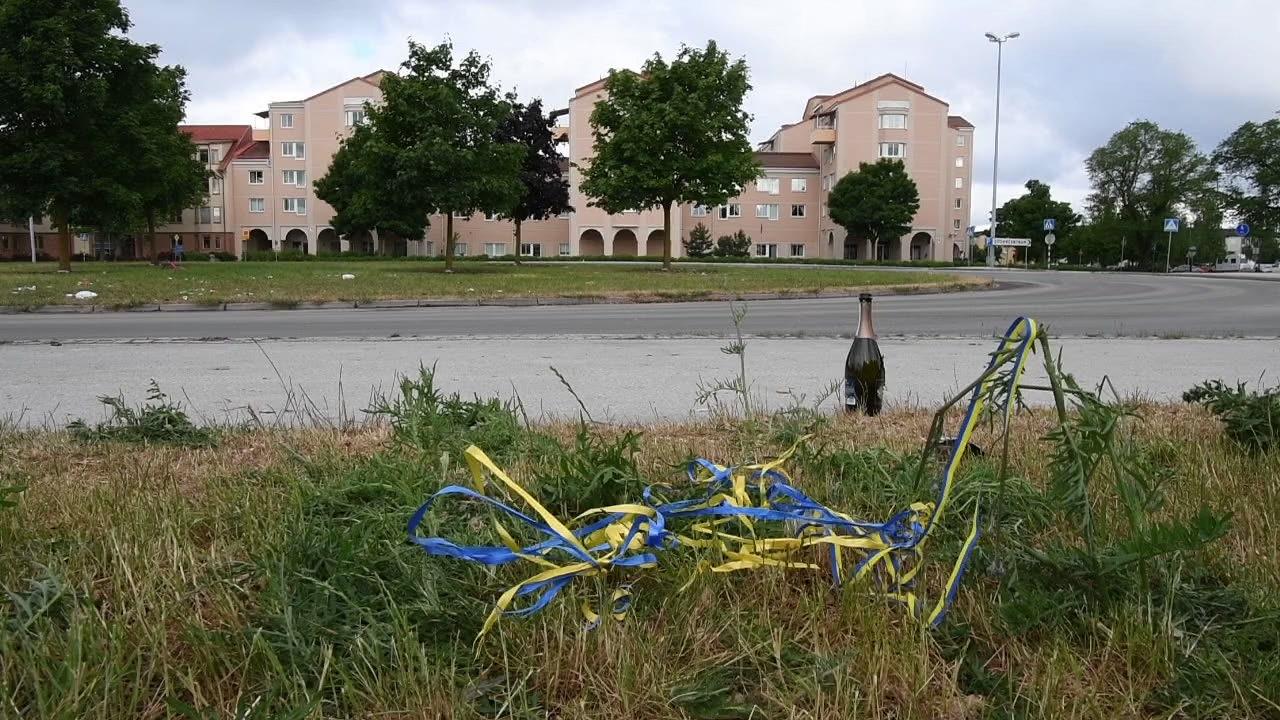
[
  {"x": 955, "y": 121},
  {"x": 215, "y": 133},
  {"x": 786, "y": 160},
  {"x": 253, "y": 150}
]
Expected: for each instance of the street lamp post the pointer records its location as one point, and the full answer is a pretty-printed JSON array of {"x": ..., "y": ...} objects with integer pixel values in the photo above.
[{"x": 999, "y": 40}]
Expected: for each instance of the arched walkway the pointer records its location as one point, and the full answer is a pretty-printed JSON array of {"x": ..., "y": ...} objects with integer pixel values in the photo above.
[
  {"x": 894, "y": 249},
  {"x": 921, "y": 246},
  {"x": 956, "y": 252},
  {"x": 393, "y": 245},
  {"x": 624, "y": 243},
  {"x": 591, "y": 243},
  {"x": 327, "y": 241},
  {"x": 295, "y": 240},
  {"x": 654, "y": 245},
  {"x": 258, "y": 241},
  {"x": 882, "y": 250},
  {"x": 850, "y": 247}
]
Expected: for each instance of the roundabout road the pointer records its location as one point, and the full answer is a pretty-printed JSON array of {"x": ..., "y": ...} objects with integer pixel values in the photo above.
[{"x": 1072, "y": 304}]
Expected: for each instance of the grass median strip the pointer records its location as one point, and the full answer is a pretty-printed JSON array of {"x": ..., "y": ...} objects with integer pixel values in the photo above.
[
  {"x": 292, "y": 284},
  {"x": 267, "y": 575}
]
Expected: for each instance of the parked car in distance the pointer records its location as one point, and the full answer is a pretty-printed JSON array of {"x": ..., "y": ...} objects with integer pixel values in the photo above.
[
  {"x": 1180, "y": 269},
  {"x": 1273, "y": 267}
]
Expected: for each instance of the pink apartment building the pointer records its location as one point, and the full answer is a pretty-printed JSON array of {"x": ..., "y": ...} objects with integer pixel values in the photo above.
[{"x": 261, "y": 193}]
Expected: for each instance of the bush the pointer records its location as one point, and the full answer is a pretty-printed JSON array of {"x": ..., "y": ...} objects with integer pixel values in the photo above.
[
  {"x": 1250, "y": 418},
  {"x": 736, "y": 245},
  {"x": 427, "y": 420},
  {"x": 698, "y": 244},
  {"x": 157, "y": 421}
]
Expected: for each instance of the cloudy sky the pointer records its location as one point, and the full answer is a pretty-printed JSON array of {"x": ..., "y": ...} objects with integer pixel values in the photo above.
[{"x": 1081, "y": 70}]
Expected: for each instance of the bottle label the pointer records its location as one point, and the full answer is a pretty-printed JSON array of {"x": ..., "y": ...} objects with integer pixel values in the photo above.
[{"x": 850, "y": 394}]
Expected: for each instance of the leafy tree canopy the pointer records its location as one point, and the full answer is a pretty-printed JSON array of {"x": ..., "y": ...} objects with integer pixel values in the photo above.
[
  {"x": 876, "y": 202},
  {"x": 674, "y": 133},
  {"x": 1024, "y": 217},
  {"x": 1249, "y": 160}
]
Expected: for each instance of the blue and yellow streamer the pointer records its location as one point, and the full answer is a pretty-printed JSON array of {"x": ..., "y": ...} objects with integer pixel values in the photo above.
[{"x": 777, "y": 524}]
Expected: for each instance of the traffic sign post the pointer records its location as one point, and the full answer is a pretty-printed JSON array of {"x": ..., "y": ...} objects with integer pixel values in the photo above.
[
  {"x": 1049, "y": 240},
  {"x": 1242, "y": 229},
  {"x": 1170, "y": 227},
  {"x": 1050, "y": 225}
]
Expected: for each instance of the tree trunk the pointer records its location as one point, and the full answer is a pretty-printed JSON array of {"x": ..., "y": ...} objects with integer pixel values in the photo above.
[
  {"x": 666, "y": 240},
  {"x": 448, "y": 241},
  {"x": 517, "y": 252},
  {"x": 151, "y": 238},
  {"x": 64, "y": 242}
]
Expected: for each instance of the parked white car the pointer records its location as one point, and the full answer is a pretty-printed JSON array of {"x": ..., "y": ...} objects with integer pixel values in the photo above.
[{"x": 1235, "y": 263}]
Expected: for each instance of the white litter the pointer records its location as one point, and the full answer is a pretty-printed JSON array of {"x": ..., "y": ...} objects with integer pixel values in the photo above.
[
  {"x": 348, "y": 276},
  {"x": 85, "y": 295}
]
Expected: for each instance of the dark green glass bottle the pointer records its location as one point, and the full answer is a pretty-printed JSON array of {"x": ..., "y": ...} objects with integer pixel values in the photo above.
[{"x": 864, "y": 366}]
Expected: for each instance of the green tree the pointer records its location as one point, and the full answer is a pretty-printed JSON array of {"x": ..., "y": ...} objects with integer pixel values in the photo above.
[
  {"x": 167, "y": 174},
  {"x": 1024, "y": 217},
  {"x": 544, "y": 189},
  {"x": 876, "y": 202},
  {"x": 735, "y": 245},
  {"x": 1143, "y": 175},
  {"x": 698, "y": 244},
  {"x": 1249, "y": 160},
  {"x": 70, "y": 84},
  {"x": 431, "y": 146},
  {"x": 357, "y": 187},
  {"x": 672, "y": 134}
]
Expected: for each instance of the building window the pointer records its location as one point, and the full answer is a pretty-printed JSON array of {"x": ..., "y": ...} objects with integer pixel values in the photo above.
[
  {"x": 797, "y": 210},
  {"x": 959, "y": 183},
  {"x": 177, "y": 217},
  {"x": 297, "y": 206},
  {"x": 732, "y": 210},
  {"x": 257, "y": 205},
  {"x": 893, "y": 121},
  {"x": 893, "y": 150},
  {"x": 699, "y": 211},
  {"x": 286, "y": 120},
  {"x": 354, "y": 117},
  {"x": 768, "y": 211},
  {"x": 207, "y": 242},
  {"x": 494, "y": 250},
  {"x": 768, "y": 185},
  {"x": 828, "y": 155},
  {"x": 959, "y": 162},
  {"x": 959, "y": 203},
  {"x": 296, "y": 178},
  {"x": 767, "y": 250},
  {"x": 959, "y": 141},
  {"x": 799, "y": 185},
  {"x": 797, "y": 250},
  {"x": 825, "y": 122},
  {"x": 205, "y": 216},
  {"x": 564, "y": 249},
  {"x": 955, "y": 224},
  {"x": 217, "y": 242},
  {"x": 257, "y": 177},
  {"x": 459, "y": 249},
  {"x": 293, "y": 149},
  {"x": 39, "y": 242},
  {"x": 203, "y": 155},
  {"x": 531, "y": 249},
  {"x": 826, "y": 182},
  {"x": 217, "y": 214},
  {"x": 215, "y": 186}
]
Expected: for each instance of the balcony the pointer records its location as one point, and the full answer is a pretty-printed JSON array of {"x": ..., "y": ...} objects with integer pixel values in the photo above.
[{"x": 822, "y": 136}]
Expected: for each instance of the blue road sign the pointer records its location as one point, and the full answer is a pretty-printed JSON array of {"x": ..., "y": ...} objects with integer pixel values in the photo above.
[
  {"x": 1050, "y": 224},
  {"x": 1242, "y": 229},
  {"x": 1171, "y": 225}
]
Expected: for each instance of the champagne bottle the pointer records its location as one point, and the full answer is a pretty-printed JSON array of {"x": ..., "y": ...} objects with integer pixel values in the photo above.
[{"x": 864, "y": 366}]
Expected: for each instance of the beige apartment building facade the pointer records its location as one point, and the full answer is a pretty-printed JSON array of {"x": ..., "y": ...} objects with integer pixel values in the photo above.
[{"x": 261, "y": 196}]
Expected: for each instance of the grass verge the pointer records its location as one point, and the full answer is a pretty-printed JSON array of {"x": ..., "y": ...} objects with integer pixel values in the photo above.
[
  {"x": 289, "y": 284},
  {"x": 266, "y": 575}
]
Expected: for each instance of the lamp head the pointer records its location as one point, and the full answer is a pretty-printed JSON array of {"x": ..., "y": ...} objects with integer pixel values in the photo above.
[
  {"x": 992, "y": 38},
  {"x": 1010, "y": 36}
]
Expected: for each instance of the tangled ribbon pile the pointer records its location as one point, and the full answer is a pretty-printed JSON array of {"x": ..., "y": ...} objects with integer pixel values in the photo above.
[{"x": 753, "y": 515}]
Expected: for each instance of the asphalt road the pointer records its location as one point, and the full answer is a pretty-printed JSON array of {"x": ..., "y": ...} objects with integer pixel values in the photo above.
[{"x": 1072, "y": 304}]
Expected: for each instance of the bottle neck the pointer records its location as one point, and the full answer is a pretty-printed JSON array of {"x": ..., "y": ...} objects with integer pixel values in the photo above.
[{"x": 866, "y": 326}]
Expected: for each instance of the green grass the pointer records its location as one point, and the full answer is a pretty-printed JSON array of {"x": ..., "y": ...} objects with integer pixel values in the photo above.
[
  {"x": 268, "y": 577},
  {"x": 288, "y": 284}
]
